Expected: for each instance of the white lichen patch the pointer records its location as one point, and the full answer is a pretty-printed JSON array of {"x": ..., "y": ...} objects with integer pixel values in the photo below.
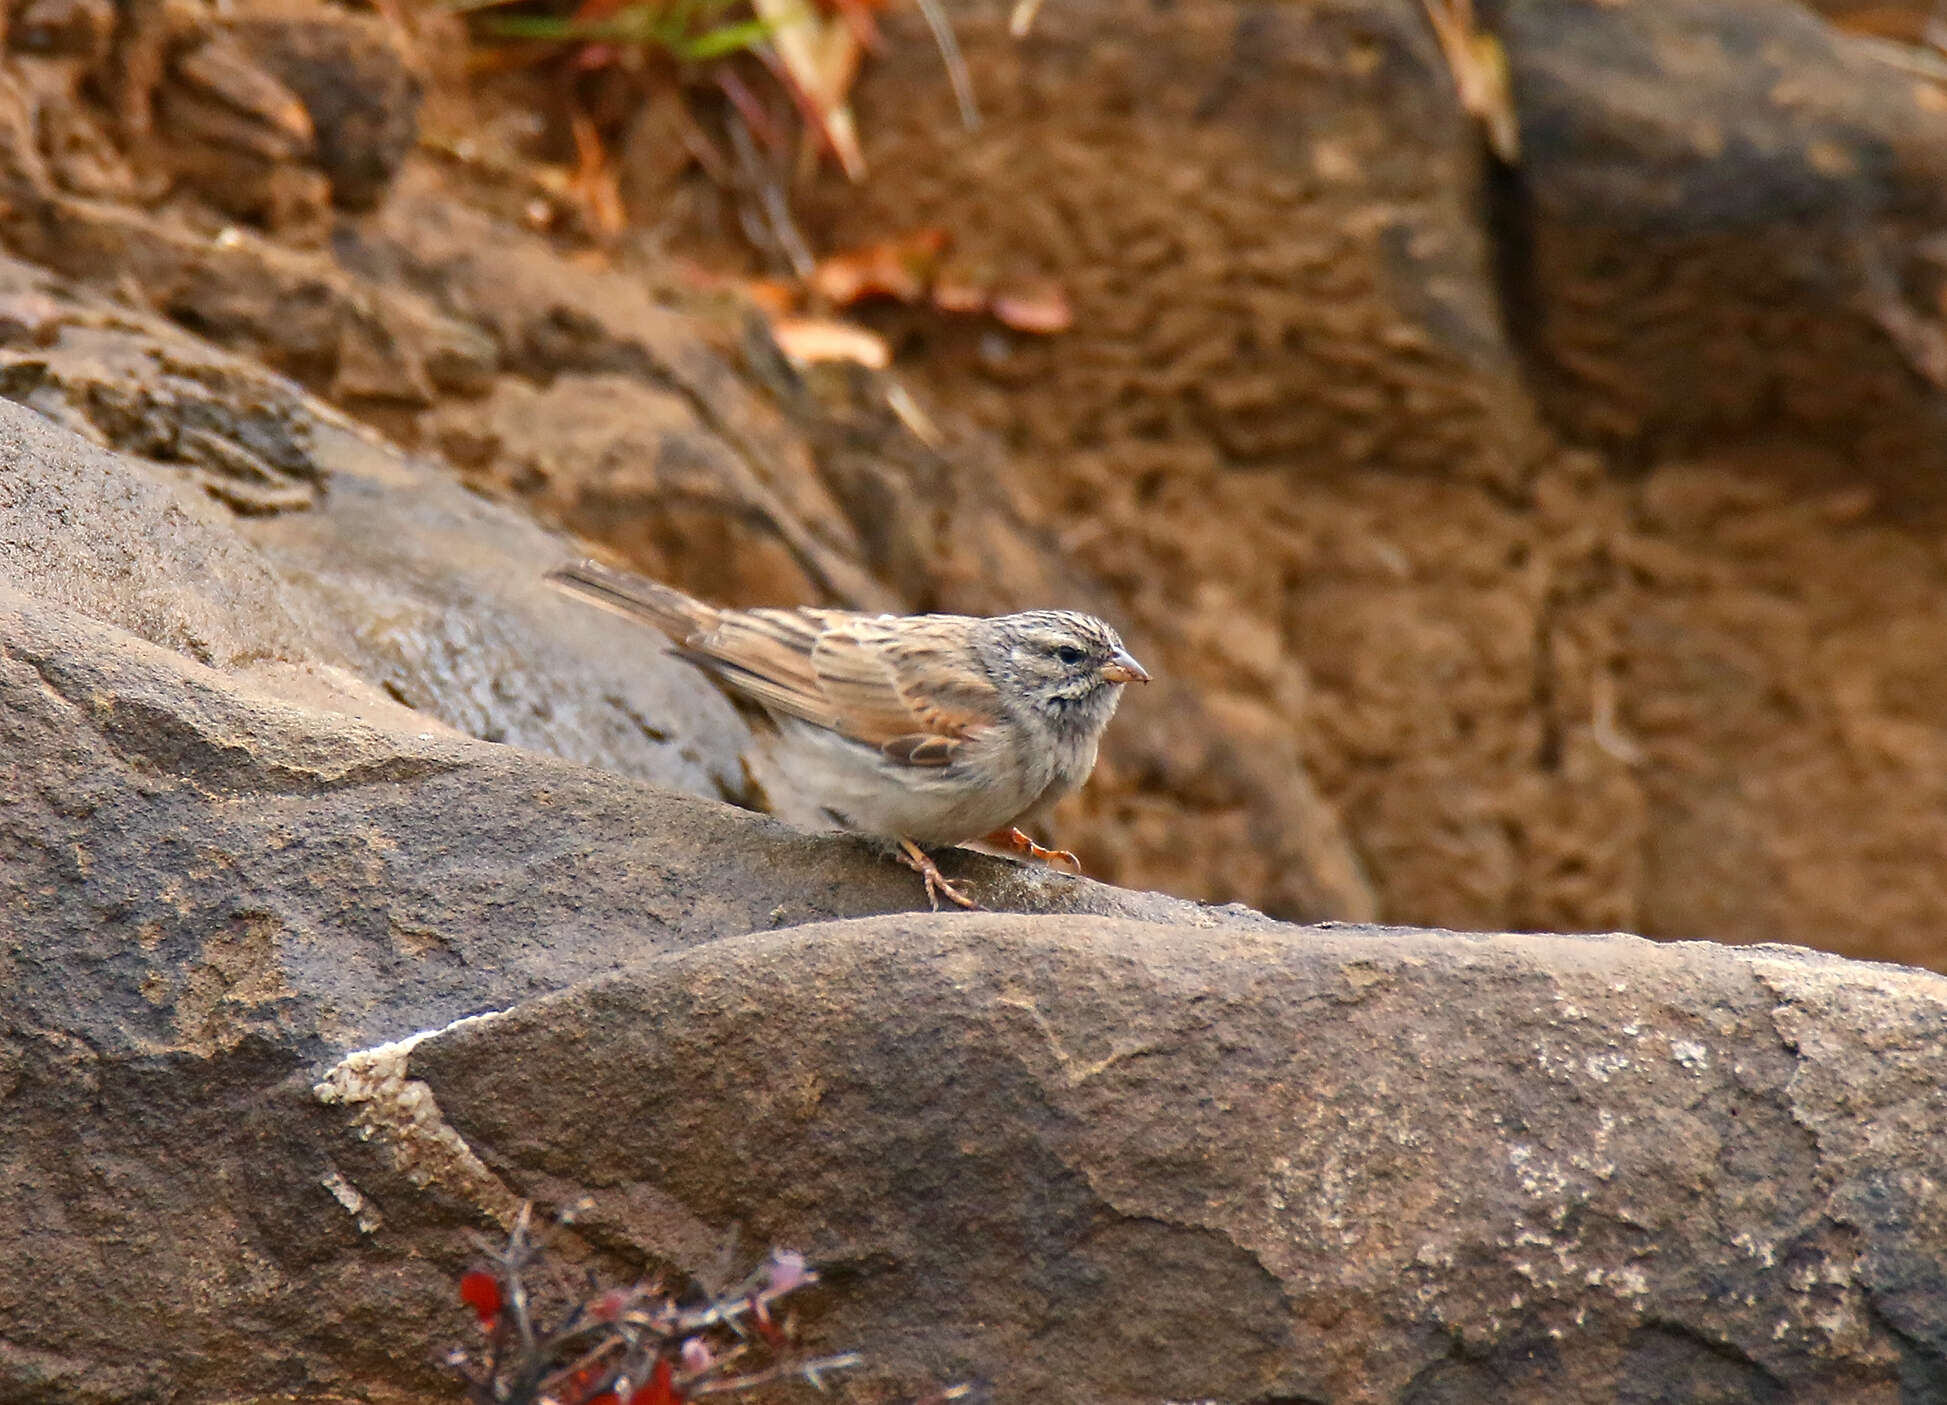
[
  {"x": 1765, "y": 1251},
  {"x": 362, "y": 1211},
  {"x": 389, "y": 1106},
  {"x": 1690, "y": 1054},
  {"x": 1603, "y": 1067},
  {"x": 1538, "y": 1176}
]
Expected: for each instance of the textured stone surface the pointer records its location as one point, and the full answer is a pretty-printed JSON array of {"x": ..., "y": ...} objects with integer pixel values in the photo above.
[
  {"x": 1105, "y": 1161},
  {"x": 210, "y": 890},
  {"x": 1154, "y": 1152},
  {"x": 256, "y": 836},
  {"x": 254, "y": 529},
  {"x": 1190, "y": 1156},
  {"x": 354, "y": 879},
  {"x": 1074, "y": 1159}
]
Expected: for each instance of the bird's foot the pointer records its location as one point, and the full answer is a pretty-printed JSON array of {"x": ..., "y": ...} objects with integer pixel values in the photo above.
[
  {"x": 920, "y": 862},
  {"x": 1016, "y": 842}
]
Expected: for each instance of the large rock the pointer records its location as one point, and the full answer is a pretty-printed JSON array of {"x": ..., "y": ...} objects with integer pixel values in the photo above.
[
  {"x": 1717, "y": 230},
  {"x": 1091, "y": 1160},
  {"x": 253, "y": 529},
  {"x": 216, "y": 880},
  {"x": 1114, "y": 1147},
  {"x": 1077, "y": 1159}
]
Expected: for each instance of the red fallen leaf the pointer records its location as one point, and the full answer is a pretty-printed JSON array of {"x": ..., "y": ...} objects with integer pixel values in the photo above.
[
  {"x": 660, "y": 1388},
  {"x": 607, "y": 1397},
  {"x": 897, "y": 268},
  {"x": 480, "y": 1291},
  {"x": 1041, "y": 309}
]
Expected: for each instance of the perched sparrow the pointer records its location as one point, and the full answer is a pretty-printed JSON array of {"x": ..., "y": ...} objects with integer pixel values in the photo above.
[{"x": 923, "y": 729}]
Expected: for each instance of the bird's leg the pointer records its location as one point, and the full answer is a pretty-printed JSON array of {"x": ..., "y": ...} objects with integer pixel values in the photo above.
[
  {"x": 1013, "y": 840},
  {"x": 920, "y": 862}
]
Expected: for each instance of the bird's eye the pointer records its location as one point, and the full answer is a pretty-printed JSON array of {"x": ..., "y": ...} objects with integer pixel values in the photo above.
[{"x": 1070, "y": 655}]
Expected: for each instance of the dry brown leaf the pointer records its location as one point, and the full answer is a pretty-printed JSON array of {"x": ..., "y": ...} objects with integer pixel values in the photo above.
[
  {"x": 808, "y": 340},
  {"x": 1480, "y": 73},
  {"x": 818, "y": 56},
  {"x": 225, "y": 73},
  {"x": 859, "y": 14},
  {"x": 1041, "y": 308},
  {"x": 895, "y": 268},
  {"x": 957, "y": 288},
  {"x": 594, "y": 185},
  {"x": 774, "y": 297}
]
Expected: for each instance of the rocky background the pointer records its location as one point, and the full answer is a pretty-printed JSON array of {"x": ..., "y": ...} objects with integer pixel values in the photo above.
[{"x": 1544, "y": 535}]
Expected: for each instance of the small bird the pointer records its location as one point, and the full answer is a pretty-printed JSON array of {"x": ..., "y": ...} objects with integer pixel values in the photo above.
[{"x": 928, "y": 730}]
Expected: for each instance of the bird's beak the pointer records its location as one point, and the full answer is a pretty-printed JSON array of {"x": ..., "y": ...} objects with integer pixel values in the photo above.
[{"x": 1123, "y": 668}]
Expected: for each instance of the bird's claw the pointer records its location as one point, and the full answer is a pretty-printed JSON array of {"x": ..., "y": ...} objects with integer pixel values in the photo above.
[
  {"x": 920, "y": 862},
  {"x": 1014, "y": 840}
]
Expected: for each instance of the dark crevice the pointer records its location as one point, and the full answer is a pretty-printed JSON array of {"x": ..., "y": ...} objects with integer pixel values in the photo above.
[
  {"x": 1507, "y": 210},
  {"x": 1923, "y": 1366}
]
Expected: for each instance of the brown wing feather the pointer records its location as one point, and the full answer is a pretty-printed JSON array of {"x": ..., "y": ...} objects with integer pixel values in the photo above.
[
  {"x": 918, "y": 749},
  {"x": 908, "y": 686},
  {"x": 637, "y": 597},
  {"x": 767, "y": 655},
  {"x": 902, "y": 685}
]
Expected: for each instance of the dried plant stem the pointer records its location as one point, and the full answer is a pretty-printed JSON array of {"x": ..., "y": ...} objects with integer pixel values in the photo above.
[{"x": 956, "y": 66}]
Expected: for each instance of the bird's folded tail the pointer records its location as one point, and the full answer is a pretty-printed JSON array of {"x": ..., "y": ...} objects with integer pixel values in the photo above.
[{"x": 637, "y": 597}]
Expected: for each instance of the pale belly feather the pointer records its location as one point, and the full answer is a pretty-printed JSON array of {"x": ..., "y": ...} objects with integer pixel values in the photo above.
[{"x": 863, "y": 790}]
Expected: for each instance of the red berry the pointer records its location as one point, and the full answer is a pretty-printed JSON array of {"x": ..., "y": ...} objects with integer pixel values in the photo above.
[
  {"x": 660, "y": 1389},
  {"x": 581, "y": 1380},
  {"x": 480, "y": 1291}
]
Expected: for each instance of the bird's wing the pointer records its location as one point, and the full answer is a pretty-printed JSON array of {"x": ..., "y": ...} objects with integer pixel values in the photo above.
[
  {"x": 911, "y": 687},
  {"x": 636, "y": 597},
  {"x": 767, "y": 656}
]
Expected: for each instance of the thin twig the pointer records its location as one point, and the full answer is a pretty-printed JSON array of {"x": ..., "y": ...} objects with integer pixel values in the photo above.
[
  {"x": 518, "y": 1252},
  {"x": 901, "y": 402},
  {"x": 762, "y": 127},
  {"x": 783, "y": 231},
  {"x": 808, "y": 1371},
  {"x": 587, "y": 1358},
  {"x": 956, "y": 66}
]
